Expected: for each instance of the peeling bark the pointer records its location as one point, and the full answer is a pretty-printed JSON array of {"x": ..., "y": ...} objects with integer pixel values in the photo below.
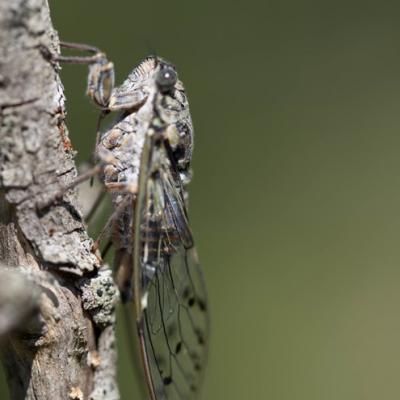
[{"x": 57, "y": 333}]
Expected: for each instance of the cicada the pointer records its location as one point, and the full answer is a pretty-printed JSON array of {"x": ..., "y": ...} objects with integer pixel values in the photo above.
[{"x": 145, "y": 157}]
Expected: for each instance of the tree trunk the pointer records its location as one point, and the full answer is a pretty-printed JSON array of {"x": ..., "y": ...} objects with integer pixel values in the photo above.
[{"x": 56, "y": 303}]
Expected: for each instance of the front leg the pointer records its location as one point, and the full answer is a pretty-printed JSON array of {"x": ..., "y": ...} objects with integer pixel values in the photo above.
[
  {"x": 125, "y": 202},
  {"x": 57, "y": 196},
  {"x": 101, "y": 71},
  {"x": 100, "y": 77}
]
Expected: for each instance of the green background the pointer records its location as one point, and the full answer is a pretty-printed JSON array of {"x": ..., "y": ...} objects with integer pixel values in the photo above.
[{"x": 296, "y": 194}]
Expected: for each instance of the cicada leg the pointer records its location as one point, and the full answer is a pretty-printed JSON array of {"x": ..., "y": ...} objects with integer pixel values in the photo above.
[
  {"x": 60, "y": 193},
  {"x": 129, "y": 193},
  {"x": 98, "y": 134},
  {"x": 106, "y": 248},
  {"x": 95, "y": 205},
  {"x": 100, "y": 78},
  {"x": 101, "y": 71}
]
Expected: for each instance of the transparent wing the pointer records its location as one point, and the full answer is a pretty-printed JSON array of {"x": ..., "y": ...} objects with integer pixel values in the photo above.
[{"x": 170, "y": 296}]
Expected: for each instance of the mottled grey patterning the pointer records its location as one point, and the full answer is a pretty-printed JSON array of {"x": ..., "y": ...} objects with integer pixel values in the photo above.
[{"x": 146, "y": 155}]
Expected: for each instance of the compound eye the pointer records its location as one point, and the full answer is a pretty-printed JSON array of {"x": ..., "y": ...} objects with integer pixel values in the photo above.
[{"x": 166, "y": 79}]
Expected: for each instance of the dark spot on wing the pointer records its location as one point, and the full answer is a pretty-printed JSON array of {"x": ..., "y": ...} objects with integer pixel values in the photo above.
[
  {"x": 202, "y": 305},
  {"x": 193, "y": 388},
  {"x": 200, "y": 337},
  {"x": 191, "y": 301},
  {"x": 178, "y": 348},
  {"x": 167, "y": 380}
]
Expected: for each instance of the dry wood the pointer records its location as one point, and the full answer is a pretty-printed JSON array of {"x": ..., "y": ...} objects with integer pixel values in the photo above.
[{"x": 56, "y": 303}]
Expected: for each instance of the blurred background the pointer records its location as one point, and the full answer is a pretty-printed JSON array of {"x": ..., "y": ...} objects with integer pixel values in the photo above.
[{"x": 295, "y": 202}]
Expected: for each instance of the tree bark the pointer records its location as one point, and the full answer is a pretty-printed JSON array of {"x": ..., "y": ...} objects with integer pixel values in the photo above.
[{"x": 56, "y": 303}]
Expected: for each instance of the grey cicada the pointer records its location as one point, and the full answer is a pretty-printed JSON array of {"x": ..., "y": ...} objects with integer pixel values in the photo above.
[{"x": 145, "y": 163}]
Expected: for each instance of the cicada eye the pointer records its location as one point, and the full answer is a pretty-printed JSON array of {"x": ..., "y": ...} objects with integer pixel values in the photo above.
[{"x": 166, "y": 79}]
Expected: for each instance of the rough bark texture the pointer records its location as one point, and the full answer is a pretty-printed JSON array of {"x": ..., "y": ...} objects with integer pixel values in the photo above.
[{"x": 56, "y": 304}]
